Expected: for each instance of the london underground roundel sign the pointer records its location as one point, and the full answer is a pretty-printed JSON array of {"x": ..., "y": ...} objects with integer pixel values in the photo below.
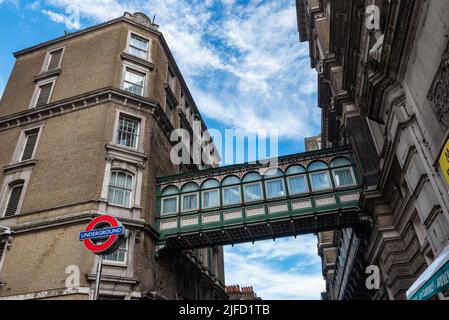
[{"x": 102, "y": 235}]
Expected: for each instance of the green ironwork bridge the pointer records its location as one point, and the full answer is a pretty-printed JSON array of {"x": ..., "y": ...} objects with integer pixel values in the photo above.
[{"x": 305, "y": 193}]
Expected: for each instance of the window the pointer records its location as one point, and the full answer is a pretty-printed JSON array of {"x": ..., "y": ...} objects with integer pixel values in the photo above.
[
  {"x": 297, "y": 184},
  {"x": 55, "y": 59},
  {"x": 231, "y": 196},
  {"x": 189, "y": 202},
  {"x": 170, "y": 200},
  {"x": 128, "y": 132},
  {"x": 169, "y": 205},
  {"x": 211, "y": 199},
  {"x": 119, "y": 256},
  {"x": 319, "y": 177},
  {"x": 2, "y": 250},
  {"x": 275, "y": 188},
  {"x": 14, "y": 200},
  {"x": 252, "y": 189},
  {"x": 138, "y": 47},
  {"x": 343, "y": 177},
  {"x": 253, "y": 192},
  {"x": 342, "y": 172},
  {"x": 43, "y": 97},
  {"x": 320, "y": 181},
  {"x": 169, "y": 109},
  {"x": 171, "y": 80},
  {"x": 120, "y": 188},
  {"x": 134, "y": 82},
  {"x": 30, "y": 144}
]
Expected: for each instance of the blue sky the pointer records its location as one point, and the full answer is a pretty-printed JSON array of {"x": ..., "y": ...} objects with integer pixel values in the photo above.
[{"x": 246, "y": 70}]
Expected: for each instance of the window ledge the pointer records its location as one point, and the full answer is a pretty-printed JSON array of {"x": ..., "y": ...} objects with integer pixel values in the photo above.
[
  {"x": 19, "y": 165},
  {"x": 137, "y": 60},
  {"x": 48, "y": 74},
  {"x": 115, "y": 264},
  {"x": 116, "y": 150}
]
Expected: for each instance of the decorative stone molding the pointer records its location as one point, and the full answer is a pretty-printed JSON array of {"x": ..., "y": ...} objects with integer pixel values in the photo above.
[{"x": 438, "y": 95}]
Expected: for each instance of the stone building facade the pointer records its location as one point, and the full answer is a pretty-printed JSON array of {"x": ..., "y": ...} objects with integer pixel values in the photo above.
[
  {"x": 85, "y": 125},
  {"x": 383, "y": 86}
]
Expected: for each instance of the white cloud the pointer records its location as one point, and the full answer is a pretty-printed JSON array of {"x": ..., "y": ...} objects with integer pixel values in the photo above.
[
  {"x": 244, "y": 65},
  {"x": 262, "y": 266},
  {"x": 13, "y": 2},
  {"x": 60, "y": 18}
]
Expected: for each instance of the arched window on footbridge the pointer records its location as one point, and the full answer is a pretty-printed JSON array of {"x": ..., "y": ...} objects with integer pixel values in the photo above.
[{"x": 232, "y": 193}]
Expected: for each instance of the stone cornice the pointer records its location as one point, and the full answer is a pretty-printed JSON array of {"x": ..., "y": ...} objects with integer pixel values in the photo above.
[
  {"x": 72, "y": 219},
  {"x": 87, "y": 100}
]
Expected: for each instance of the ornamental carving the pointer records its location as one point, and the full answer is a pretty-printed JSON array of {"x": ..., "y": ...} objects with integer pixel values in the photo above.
[{"x": 439, "y": 92}]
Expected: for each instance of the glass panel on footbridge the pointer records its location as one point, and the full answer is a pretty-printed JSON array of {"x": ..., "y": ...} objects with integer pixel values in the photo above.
[{"x": 304, "y": 193}]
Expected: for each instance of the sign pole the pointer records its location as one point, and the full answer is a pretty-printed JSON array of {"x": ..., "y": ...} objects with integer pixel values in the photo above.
[{"x": 98, "y": 278}]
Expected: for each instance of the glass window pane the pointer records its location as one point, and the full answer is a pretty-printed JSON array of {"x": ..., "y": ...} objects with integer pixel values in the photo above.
[
  {"x": 343, "y": 177},
  {"x": 275, "y": 188},
  {"x": 134, "y": 82},
  {"x": 169, "y": 191},
  {"x": 190, "y": 202},
  {"x": 212, "y": 183},
  {"x": 119, "y": 255},
  {"x": 298, "y": 185},
  {"x": 120, "y": 187},
  {"x": 230, "y": 181},
  {"x": 319, "y": 165},
  {"x": 252, "y": 176},
  {"x": 169, "y": 205},
  {"x": 231, "y": 196},
  {"x": 253, "y": 192},
  {"x": 321, "y": 181},
  {"x": 211, "y": 199},
  {"x": 295, "y": 170},
  {"x": 340, "y": 162}
]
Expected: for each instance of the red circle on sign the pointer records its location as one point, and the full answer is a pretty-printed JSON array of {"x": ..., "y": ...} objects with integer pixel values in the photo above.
[{"x": 111, "y": 240}]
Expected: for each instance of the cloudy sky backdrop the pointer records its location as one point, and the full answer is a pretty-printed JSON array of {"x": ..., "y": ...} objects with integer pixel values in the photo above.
[{"x": 246, "y": 70}]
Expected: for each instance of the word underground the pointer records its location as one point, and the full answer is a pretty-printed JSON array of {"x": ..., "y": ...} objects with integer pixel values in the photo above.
[{"x": 101, "y": 233}]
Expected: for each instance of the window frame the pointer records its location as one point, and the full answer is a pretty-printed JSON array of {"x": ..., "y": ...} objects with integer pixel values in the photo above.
[
  {"x": 138, "y": 35},
  {"x": 118, "y": 263},
  {"x": 137, "y": 135},
  {"x": 253, "y": 183},
  {"x": 47, "y": 59},
  {"x": 216, "y": 190},
  {"x": 313, "y": 173},
  {"x": 135, "y": 72},
  {"x": 223, "y": 189},
  {"x": 37, "y": 92},
  {"x": 196, "y": 193},
  {"x": 283, "y": 186},
  {"x": 131, "y": 194},
  {"x": 26, "y": 136},
  {"x": 21, "y": 143},
  {"x": 354, "y": 180},
  {"x": 162, "y": 213},
  {"x": 290, "y": 192},
  {"x": 7, "y": 199}
]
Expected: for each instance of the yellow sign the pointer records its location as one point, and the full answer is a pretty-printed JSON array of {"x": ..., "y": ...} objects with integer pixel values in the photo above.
[{"x": 444, "y": 161}]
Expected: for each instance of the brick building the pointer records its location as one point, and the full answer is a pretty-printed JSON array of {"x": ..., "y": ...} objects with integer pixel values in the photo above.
[
  {"x": 243, "y": 293},
  {"x": 85, "y": 124}
]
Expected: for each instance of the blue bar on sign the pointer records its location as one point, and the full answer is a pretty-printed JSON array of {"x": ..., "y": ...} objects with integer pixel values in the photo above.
[{"x": 101, "y": 233}]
